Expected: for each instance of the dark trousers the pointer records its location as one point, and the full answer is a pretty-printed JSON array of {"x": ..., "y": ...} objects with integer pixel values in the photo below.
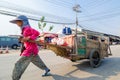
[{"x": 23, "y": 63}]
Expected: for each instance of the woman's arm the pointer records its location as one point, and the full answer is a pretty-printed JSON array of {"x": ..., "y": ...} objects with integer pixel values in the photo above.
[{"x": 30, "y": 33}]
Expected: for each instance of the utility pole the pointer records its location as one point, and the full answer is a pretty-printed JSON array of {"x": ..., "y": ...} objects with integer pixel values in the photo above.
[{"x": 76, "y": 8}]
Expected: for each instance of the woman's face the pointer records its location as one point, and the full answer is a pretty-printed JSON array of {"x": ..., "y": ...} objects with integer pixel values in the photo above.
[{"x": 19, "y": 23}]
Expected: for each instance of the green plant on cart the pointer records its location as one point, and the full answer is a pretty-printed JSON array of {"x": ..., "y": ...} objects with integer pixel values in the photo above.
[{"x": 42, "y": 24}]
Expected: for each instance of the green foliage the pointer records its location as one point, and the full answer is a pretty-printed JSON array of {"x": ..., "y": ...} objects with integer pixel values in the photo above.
[
  {"x": 39, "y": 25},
  {"x": 42, "y": 19},
  {"x": 42, "y": 24},
  {"x": 51, "y": 27}
]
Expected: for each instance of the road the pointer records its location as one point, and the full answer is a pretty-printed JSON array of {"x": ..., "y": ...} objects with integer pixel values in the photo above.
[{"x": 63, "y": 69}]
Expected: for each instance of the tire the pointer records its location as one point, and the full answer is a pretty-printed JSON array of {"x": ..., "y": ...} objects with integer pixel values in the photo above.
[
  {"x": 14, "y": 46},
  {"x": 95, "y": 59}
]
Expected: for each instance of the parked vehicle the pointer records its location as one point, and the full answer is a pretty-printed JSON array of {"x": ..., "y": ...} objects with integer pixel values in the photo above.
[{"x": 11, "y": 42}]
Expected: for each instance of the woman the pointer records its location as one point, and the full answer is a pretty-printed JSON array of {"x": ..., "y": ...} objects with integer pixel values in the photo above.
[{"x": 30, "y": 53}]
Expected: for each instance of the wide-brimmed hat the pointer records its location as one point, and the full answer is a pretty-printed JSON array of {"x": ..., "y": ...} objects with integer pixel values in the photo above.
[{"x": 19, "y": 18}]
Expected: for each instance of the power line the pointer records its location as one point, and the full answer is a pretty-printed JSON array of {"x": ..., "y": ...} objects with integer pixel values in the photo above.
[
  {"x": 81, "y": 26},
  {"x": 64, "y": 2},
  {"x": 91, "y": 2},
  {"x": 85, "y": 27},
  {"x": 102, "y": 17},
  {"x": 55, "y": 3},
  {"x": 18, "y": 8},
  {"x": 102, "y": 13},
  {"x": 99, "y": 13},
  {"x": 67, "y": 2},
  {"x": 94, "y": 21},
  {"x": 97, "y": 3},
  {"x": 31, "y": 17}
]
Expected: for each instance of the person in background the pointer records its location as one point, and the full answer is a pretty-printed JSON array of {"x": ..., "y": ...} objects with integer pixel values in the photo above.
[{"x": 30, "y": 53}]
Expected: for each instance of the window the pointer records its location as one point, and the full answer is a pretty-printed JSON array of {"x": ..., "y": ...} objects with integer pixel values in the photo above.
[
  {"x": 2, "y": 39},
  {"x": 14, "y": 39},
  {"x": 8, "y": 39},
  {"x": 5, "y": 39}
]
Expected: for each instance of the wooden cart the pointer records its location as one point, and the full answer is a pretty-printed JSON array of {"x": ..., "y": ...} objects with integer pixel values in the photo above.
[{"x": 90, "y": 47}]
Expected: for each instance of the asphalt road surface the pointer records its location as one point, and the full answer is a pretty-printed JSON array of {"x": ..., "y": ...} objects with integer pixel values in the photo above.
[{"x": 63, "y": 69}]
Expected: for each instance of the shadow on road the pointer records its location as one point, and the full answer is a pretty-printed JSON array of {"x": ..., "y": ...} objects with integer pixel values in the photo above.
[
  {"x": 59, "y": 77},
  {"x": 109, "y": 67}
]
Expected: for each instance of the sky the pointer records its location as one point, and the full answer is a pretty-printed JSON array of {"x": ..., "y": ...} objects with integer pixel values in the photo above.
[{"x": 97, "y": 15}]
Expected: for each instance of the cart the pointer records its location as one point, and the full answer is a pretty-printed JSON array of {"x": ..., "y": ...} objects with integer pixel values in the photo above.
[{"x": 92, "y": 47}]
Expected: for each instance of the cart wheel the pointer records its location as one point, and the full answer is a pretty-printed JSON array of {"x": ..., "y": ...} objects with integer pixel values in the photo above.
[{"x": 95, "y": 59}]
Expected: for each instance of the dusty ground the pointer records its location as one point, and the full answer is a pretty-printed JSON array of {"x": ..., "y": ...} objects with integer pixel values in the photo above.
[{"x": 63, "y": 69}]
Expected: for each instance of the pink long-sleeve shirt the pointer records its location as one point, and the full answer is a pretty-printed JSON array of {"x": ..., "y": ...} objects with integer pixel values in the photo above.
[{"x": 31, "y": 48}]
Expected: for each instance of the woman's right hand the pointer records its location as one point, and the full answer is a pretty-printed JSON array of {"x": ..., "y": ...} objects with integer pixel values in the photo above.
[{"x": 20, "y": 39}]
